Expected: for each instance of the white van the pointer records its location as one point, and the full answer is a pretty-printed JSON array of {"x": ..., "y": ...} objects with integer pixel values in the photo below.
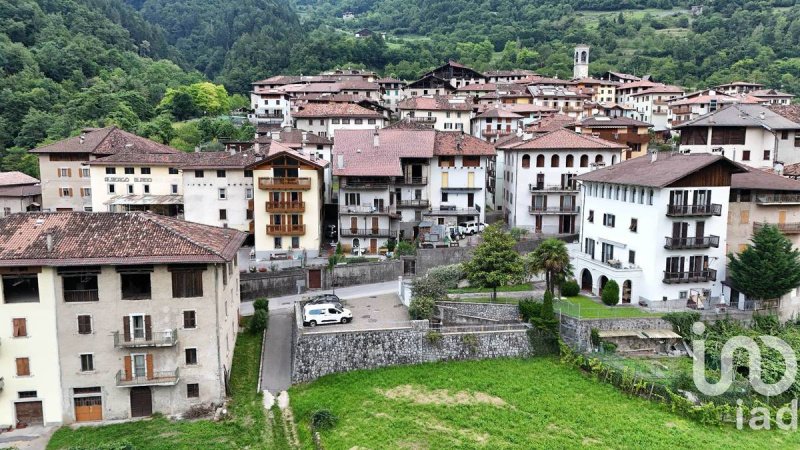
[
  {"x": 322, "y": 313},
  {"x": 469, "y": 227}
]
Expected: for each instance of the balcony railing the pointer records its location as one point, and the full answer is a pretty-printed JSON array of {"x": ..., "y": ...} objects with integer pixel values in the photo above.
[
  {"x": 365, "y": 184},
  {"x": 87, "y": 295},
  {"x": 713, "y": 209},
  {"x": 269, "y": 116},
  {"x": 411, "y": 180},
  {"x": 366, "y": 209},
  {"x": 452, "y": 211},
  {"x": 697, "y": 276},
  {"x": 553, "y": 209},
  {"x": 681, "y": 243},
  {"x": 414, "y": 204},
  {"x": 422, "y": 119},
  {"x": 168, "y": 338},
  {"x": 160, "y": 378},
  {"x": 367, "y": 232},
  {"x": 284, "y": 183},
  {"x": 538, "y": 187},
  {"x": 285, "y": 207},
  {"x": 682, "y": 110},
  {"x": 660, "y": 102},
  {"x": 778, "y": 199},
  {"x": 286, "y": 230},
  {"x": 785, "y": 228},
  {"x": 493, "y": 132}
]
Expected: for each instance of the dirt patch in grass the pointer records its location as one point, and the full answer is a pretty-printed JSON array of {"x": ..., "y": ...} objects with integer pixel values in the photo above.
[
  {"x": 464, "y": 433},
  {"x": 423, "y": 396}
]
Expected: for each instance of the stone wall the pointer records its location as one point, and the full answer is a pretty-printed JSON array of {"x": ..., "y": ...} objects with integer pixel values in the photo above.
[
  {"x": 363, "y": 273},
  {"x": 271, "y": 284},
  {"x": 578, "y": 333},
  {"x": 428, "y": 258},
  {"x": 498, "y": 312},
  {"x": 319, "y": 353}
]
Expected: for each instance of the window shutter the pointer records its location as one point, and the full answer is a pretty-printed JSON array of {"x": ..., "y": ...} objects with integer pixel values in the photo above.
[
  {"x": 126, "y": 328},
  {"x": 69, "y": 173},
  {"x": 149, "y": 359},
  {"x": 70, "y": 191},
  {"x": 128, "y": 371},
  {"x": 148, "y": 328},
  {"x": 23, "y": 367}
]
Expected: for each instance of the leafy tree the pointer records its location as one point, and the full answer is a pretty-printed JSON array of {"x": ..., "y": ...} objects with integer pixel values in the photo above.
[
  {"x": 767, "y": 269},
  {"x": 18, "y": 159},
  {"x": 421, "y": 308},
  {"x": 551, "y": 258},
  {"x": 495, "y": 262},
  {"x": 610, "y": 293}
]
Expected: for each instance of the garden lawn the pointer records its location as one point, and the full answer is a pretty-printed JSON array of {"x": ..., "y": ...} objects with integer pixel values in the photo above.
[
  {"x": 510, "y": 288},
  {"x": 585, "y": 308},
  {"x": 502, "y": 404},
  {"x": 247, "y": 428}
]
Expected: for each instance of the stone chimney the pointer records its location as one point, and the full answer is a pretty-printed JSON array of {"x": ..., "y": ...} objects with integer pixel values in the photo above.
[
  {"x": 654, "y": 156},
  {"x": 376, "y": 138},
  {"x": 340, "y": 161},
  {"x": 49, "y": 238}
]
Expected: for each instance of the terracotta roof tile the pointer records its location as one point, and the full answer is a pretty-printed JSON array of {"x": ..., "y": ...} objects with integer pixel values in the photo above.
[
  {"x": 550, "y": 123},
  {"x": 105, "y": 141},
  {"x": 763, "y": 180},
  {"x": 336, "y": 110},
  {"x": 566, "y": 139},
  {"x": 360, "y": 156},
  {"x": 665, "y": 170},
  {"x": 458, "y": 143},
  {"x": 81, "y": 238},
  {"x": 16, "y": 178},
  {"x": 437, "y": 103},
  {"x": 498, "y": 113}
]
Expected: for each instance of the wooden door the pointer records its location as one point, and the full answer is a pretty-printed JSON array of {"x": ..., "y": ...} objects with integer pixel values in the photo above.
[
  {"x": 89, "y": 409},
  {"x": 141, "y": 402},
  {"x": 29, "y": 413},
  {"x": 699, "y": 229},
  {"x": 314, "y": 279},
  {"x": 373, "y": 246},
  {"x": 470, "y": 179},
  {"x": 782, "y": 217},
  {"x": 354, "y": 224},
  {"x": 374, "y": 225}
]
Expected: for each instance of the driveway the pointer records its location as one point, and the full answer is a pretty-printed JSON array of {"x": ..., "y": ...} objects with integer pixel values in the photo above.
[
  {"x": 287, "y": 302},
  {"x": 277, "y": 355},
  {"x": 375, "y": 311},
  {"x": 32, "y": 438}
]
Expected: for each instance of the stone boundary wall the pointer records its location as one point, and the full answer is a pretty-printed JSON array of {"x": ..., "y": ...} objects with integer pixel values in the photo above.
[
  {"x": 320, "y": 353},
  {"x": 577, "y": 333},
  {"x": 498, "y": 312},
  {"x": 253, "y": 285}
]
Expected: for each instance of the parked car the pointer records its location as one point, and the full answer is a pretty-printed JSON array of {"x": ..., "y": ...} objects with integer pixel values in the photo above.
[
  {"x": 469, "y": 227},
  {"x": 325, "y": 313},
  {"x": 326, "y": 298},
  {"x": 481, "y": 227}
]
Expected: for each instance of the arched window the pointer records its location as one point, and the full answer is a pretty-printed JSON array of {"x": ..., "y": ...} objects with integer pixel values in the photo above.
[
  {"x": 598, "y": 158},
  {"x": 540, "y": 161},
  {"x": 526, "y": 161},
  {"x": 650, "y": 197},
  {"x": 554, "y": 161},
  {"x": 584, "y": 161},
  {"x": 570, "y": 160},
  {"x": 583, "y": 57}
]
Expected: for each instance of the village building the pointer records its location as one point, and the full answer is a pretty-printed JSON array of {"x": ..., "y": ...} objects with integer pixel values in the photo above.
[
  {"x": 581, "y": 67},
  {"x": 566, "y": 101},
  {"x": 651, "y": 104},
  {"x": 676, "y": 200},
  {"x": 600, "y": 90},
  {"x": 270, "y": 106},
  {"x": 507, "y": 76},
  {"x": 772, "y": 96},
  {"x": 540, "y": 191},
  {"x": 324, "y": 119},
  {"x": 65, "y": 179},
  {"x": 445, "y": 113},
  {"x": 93, "y": 338},
  {"x": 428, "y": 85},
  {"x": 738, "y": 87},
  {"x": 457, "y": 74},
  {"x": 19, "y": 193},
  {"x": 632, "y": 134},
  {"x": 753, "y": 135},
  {"x": 496, "y": 122},
  {"x": 287, "y": 204},
  {"x": 392, "y": 92}
]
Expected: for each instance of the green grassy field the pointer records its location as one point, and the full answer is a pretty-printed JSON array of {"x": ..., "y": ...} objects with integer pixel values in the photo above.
[
  {"x": 501, "y": 404},
  {"x": 586, "y": 308},
  {"x": 248, "y": 427}
]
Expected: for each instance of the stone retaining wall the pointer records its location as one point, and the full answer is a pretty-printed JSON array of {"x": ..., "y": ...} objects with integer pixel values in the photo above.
[
  {"x": 319, "y": 353},
  {"x": 499, "y": 312},
  {"x": 577, "y": 333}
]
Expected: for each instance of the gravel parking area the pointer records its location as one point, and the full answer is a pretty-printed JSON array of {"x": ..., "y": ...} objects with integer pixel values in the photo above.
[{"x": 372, "y": 312}]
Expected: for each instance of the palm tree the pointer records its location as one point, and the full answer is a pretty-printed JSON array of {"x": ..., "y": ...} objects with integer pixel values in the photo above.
[{"x": 551, "y": 258}]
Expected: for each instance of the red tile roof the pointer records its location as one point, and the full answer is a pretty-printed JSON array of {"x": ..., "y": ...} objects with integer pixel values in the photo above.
[
  {"x": 105, "y": 141},
  {"x": 80, "y": 238},
  {"x": 550, "y": 123},
  {"x": 360, "y": 157},
  {"x": 457, "y": 143},
  {"x": 16, "y": 178},
  {"x": 336, "y": 110},
  {"x": 763, "y": 180},
  {"x": 437, "y": 103},
  {"x": 636, "y": 84},
  {"x": 566, "y": 139},
  {"x": 498, "y": 113},
  {"x": 665, "y": 170},
  {"x": 660, "y": 89}
]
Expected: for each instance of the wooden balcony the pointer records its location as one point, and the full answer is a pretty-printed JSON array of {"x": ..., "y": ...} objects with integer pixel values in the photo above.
[
  {"x": 286, "y": 230},
  {"x": 684, "y": 243},
  {"x": 785, "y": 228},
  {"x": 681, "y": 110},
  {"x": 366, "y": 185},
  {"x": 699, "y": 276},
  {"x": 284, "y": 183},
  {"x": 86, "y": 295},
  {"x": 367, "y": 210},
  {"x": 286, "y": 207},
  {"x": 713, "y": 209},
  {"x": 168, "y": 338},
  {"x": 411, "y": 180},
  {"x": 429, "y": 120},
  {"x": 414, "y": 204},
  {"x": 160, "y": 378},
  {"x": 778, "y": 199}
]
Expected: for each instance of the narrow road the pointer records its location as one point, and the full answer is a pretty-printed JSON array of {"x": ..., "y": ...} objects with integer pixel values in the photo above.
[
  {"x": 277, "y": 354},
  {"x": 287, "y": 302}
]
